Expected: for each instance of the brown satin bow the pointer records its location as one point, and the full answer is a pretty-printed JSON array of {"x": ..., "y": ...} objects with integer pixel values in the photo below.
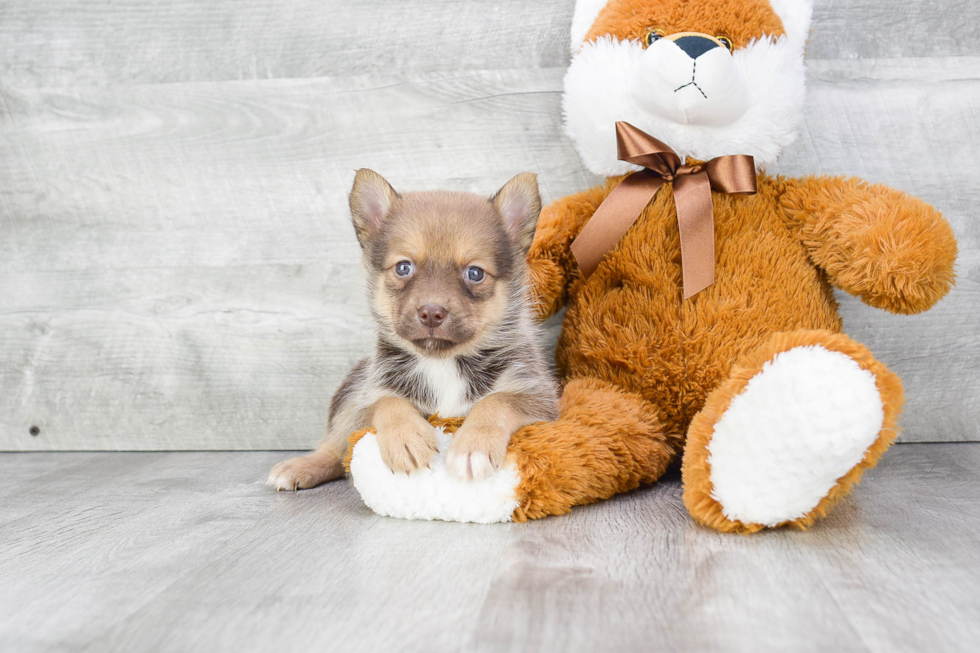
[{"x": 692, "y": 195}]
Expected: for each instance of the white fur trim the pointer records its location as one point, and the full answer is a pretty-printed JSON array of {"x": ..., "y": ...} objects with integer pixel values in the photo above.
[
  {"x": 801, "y": 424},
  {"x": 432, "y": 493},
  {"x": 796, "y": 16},
  {"x": 586, "y": 11},
  {"x": 597, "y": 95}
]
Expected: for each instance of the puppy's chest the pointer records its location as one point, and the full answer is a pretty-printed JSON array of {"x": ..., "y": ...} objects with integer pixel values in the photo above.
[{"x": 447, "y": 392}]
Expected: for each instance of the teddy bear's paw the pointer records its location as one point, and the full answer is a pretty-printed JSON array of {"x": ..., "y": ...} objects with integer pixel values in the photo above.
[
  {"x": 798, "y": 426},
  {"x": 434, "y": 492}
]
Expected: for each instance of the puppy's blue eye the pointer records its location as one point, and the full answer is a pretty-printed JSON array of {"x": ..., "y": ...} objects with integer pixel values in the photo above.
[
  {"x": 475, "y": 274},
  {"x": 404, "y": 268}
]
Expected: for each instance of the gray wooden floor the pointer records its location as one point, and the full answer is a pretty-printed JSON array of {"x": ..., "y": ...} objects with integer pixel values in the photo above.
[{"x": 190, "y": 552}]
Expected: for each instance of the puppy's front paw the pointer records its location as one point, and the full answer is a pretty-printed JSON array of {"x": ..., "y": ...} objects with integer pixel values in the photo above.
[
  {"x": 305, "y": 472},
  {"x": 408, "y": 447},
  {"x": 475, "y": 454}
]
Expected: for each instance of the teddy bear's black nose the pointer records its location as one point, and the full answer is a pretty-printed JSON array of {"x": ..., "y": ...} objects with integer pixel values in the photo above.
[{"x": 695, "y": 46}]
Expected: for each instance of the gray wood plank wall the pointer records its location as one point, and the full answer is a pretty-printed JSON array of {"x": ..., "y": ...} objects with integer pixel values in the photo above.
[{"x": 177, "y": 269}]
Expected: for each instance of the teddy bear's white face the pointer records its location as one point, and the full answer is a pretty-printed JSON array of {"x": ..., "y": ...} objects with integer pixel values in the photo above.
[
  {"x": 706, "y": 77},
  {"x": 689, "y": 78}
]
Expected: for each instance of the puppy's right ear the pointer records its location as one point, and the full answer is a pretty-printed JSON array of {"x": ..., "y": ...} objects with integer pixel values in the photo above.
[
  {"x": 519, "y": 204},
  {"x": 371, "y": 200}
]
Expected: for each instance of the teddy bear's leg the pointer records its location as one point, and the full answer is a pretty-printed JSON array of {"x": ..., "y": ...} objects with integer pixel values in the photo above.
[
  {"x": 789, "y": 433},
  {"x": 605, "y": 441}
]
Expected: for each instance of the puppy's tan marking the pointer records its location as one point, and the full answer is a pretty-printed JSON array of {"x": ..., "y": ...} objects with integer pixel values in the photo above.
[{"x": 407, "y": 441}]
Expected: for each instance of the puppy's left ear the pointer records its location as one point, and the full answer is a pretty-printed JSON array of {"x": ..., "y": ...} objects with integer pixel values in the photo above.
[{"x": 519, "y": 204}]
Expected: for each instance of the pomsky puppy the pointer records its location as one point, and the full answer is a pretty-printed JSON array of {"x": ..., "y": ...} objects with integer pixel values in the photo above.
[{"x": 446, "y": 277}]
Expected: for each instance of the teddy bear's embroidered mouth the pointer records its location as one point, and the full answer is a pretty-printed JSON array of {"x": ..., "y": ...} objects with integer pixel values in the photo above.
[
  {"x": 693, "y": 82},
  {"x": 707, "y": 89}
]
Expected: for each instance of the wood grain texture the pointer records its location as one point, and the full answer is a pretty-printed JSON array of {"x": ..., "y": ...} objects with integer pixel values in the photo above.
[
  {"x": 852, "y": 29},
  {"x": 188, "y": 551},
  {"x": 103, "y": 42},
  {"x": 177, "y": 269},
  {"x": 62, "y": 42}
]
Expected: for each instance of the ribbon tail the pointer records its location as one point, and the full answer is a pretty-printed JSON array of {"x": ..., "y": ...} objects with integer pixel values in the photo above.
[
  {"x": 613, "y": 219},
  {"x": 696, "y": 223},
  {"x": 734, "y": 173}
]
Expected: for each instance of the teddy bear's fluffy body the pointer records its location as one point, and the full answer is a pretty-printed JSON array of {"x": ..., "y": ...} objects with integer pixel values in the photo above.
[
  {"x": 657, "y": 358},
  {"x": 628, "y": 325}
]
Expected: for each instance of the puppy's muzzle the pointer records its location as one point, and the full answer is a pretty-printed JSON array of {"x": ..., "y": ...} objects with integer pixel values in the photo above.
[{"x": 432, "y": 315}]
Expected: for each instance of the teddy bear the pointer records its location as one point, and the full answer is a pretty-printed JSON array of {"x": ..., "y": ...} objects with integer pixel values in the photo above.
[{"x": 701, "y": 324}]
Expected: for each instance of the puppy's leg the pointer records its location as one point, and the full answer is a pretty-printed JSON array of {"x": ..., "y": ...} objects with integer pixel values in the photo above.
[
  {"x": 480, "y": 444},
  {"x": 303, "y": 472},
  {"x": 347, "y": 414},
  {"x": 406, "y": 439}
]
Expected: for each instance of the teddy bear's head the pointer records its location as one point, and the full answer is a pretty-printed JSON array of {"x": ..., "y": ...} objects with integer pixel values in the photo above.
[{"x": 706, "y": 77}]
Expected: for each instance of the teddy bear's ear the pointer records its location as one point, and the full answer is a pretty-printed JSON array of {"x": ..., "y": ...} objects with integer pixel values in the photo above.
[
  {"x": 795, "y": 15},
  {"x": 586, "y": 11}
]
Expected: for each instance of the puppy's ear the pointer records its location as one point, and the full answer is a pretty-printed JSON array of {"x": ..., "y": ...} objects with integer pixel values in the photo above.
[
  {"x": 519, "y": 204},
  {"x": 371, "y": 200}
]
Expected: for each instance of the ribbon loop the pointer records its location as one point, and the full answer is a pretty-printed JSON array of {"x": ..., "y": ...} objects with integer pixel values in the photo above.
[{"x": 692, "y": 187}]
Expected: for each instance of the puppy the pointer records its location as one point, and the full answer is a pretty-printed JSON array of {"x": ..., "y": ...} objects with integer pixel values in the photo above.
[{"x": 446, "y": 277}]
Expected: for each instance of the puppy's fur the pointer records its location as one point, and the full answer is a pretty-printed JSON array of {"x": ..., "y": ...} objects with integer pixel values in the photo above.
[{"x": 446, "y": 274}]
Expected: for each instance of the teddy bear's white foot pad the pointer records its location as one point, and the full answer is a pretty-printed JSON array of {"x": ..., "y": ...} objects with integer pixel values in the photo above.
[
  {"x": 431, "y": 493},
  {"x": 799, "y": 425}
]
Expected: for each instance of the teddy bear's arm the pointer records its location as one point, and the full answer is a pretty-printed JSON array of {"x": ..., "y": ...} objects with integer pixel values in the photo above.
[
  {"x": 891, "y": 249},
  {"x": 552, "y": 266}
]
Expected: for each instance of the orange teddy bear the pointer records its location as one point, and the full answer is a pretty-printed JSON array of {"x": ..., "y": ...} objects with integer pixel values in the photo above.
[{"x": 701, "y": 321}]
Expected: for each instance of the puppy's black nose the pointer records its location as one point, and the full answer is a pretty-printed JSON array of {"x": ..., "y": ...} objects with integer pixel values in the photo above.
[
  {"x": 432, "y": 315},
  {"x": 695, "y": 46}
]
